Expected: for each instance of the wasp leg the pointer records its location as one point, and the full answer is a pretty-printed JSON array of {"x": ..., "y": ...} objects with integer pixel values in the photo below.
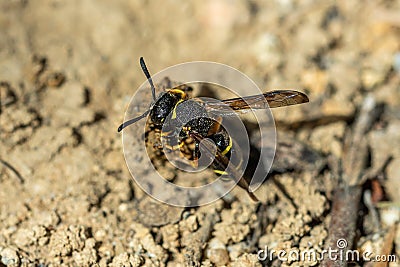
[
  {"x": 185, "y": 88},
  {"x": 172, "y": 145},
  {"x": 165, "y": 83},
  {"x": 195, "y": 155},
  {"x": 188, "y": 90},
  {"x": 213, "y": 130}
]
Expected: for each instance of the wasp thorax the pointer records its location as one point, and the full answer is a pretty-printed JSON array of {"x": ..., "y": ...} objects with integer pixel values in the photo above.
[
  {"x": 191, "y": 116},
  {"x": 189, "y": 110}
]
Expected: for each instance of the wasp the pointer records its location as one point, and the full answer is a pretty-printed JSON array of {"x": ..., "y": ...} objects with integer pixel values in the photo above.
[{"x": 172, "y": 111}]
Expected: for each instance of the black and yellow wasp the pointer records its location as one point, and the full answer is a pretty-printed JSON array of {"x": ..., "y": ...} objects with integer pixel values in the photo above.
[{"x": 171, "y": 113}]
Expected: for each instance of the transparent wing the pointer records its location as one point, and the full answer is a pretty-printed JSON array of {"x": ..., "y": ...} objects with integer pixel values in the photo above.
[{"x": 272, "y": 99}]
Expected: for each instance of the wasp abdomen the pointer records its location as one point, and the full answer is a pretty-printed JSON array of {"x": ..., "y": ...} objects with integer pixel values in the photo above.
[{"x": 224, "y": 144}]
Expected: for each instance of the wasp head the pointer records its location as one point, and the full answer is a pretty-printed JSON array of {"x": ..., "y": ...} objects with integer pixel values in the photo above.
[{"x": 163, "y": 107}]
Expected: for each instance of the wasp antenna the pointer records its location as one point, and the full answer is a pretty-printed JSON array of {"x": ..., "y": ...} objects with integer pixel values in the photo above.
[
  {"x": 127, "y": 123},
  {"x": 148, "y": 76}
]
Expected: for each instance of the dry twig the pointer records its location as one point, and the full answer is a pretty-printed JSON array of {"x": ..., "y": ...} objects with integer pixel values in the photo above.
[
  {"x": 346, "y": 199},
  {"x": 13, "y": 170}
]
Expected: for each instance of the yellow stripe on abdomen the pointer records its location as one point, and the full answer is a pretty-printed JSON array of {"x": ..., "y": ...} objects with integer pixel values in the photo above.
[
  {"x": 221, "y": 172},
  {"x": 228, "y": 148}
]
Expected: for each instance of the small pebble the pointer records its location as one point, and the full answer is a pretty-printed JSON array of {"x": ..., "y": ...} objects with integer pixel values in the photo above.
[{"x": 9, "y": 257}]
